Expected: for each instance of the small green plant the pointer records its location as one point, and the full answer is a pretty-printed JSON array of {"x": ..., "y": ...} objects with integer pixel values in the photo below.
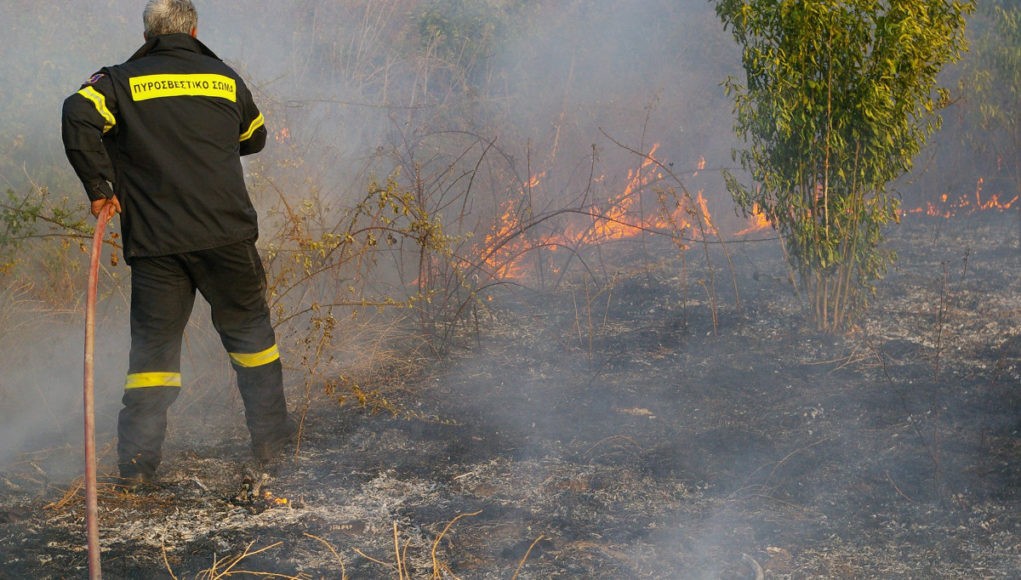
[
  {"x": 838, "y": 98},
  {"x": 37, "y": 216}
]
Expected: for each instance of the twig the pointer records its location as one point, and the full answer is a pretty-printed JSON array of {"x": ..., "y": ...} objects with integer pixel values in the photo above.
[
  {"x": 213, "y": 574},
  {"x": 68, "y": 496},
  {"x": 370, "y": 558},
  {"x": 404, "y": 556},
  {"x": 897, "y": 489},
  {"x": 944, "y": 307},
  {"x": 343, "y": 570},
  {"x": 525, "y": 557},
  {"x": 792, "y": 454},
  {"x": 166, "y": 562},
  {"x": 397, "y": 552},
  {"x": 436, "y": 543}
]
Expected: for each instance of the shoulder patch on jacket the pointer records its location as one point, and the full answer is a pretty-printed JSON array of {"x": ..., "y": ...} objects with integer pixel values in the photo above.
[{"x": 93, "y": 79}]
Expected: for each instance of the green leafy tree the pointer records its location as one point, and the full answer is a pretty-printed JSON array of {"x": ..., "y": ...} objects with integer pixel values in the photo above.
[
  {"x": 992, "y": 86},
  {"x": 838, "y": 98},
  {"x": 464, "y": 34}
]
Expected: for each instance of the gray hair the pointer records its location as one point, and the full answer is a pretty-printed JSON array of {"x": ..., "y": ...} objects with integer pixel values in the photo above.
[{"x": 169, "y": 17}]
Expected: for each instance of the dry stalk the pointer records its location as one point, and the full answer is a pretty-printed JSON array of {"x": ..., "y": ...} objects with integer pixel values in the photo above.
[
  {"x": 436, "y": 543},
  {"x": 932, "y": 447},
  {"x": 945, "y": 305},
  {"x": 213, "y": 573},
  {"x": 404, "y": 556},
  {"x": 76, "y": 485},
  {"x": 780, "y": 463},
  {"x": 69, "y": 495},
  {"x": 343, "y": 570},
  {"x": 589, "y": 320},
  {"x": 941, "y": 317},
  {"x": 897, "y": 488},
  {"x": 588, "y": 317},
  {"x": 525, "y": 557},
  {"x": 166, "y": 562},
  {"x": 397, "y": 552},
  {"x": 577, "y": 318},
  {"x": 370, "y": 558}
]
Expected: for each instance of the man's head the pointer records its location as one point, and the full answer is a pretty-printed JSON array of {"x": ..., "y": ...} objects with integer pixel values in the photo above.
[{"x": 169, "y": 17}]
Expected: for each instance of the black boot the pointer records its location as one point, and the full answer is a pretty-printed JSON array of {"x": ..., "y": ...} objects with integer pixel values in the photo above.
[
  {"x": 141, "y": 429},
  {"x": 271, "y": 428}
]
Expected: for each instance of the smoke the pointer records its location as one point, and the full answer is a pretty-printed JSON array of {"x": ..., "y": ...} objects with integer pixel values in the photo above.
[
  {"x": 361, "y": 90},
  {"x": 346, "y": 80}
]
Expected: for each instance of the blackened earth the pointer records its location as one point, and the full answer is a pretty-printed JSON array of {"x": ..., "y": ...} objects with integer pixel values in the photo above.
[{"x": 623, "y": 427}]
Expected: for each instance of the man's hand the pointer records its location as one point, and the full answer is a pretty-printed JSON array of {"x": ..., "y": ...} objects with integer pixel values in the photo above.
[{"x": 99, "y": 204}]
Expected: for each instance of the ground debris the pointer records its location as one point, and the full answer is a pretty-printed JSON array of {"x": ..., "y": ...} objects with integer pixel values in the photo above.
[{"x": 661, "y": 441}]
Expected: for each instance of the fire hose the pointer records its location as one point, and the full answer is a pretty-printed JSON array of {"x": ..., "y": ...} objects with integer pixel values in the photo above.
[{"x": 91, "y": 500}]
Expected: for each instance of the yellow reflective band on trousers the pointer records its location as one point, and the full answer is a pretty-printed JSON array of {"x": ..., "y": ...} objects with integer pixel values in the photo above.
[
  {"x": 148, "y": 87},
  {"x": 99, "y": 101},
  {"x": 256, "y": 359},
  {"x": 258, "y": 122},
  {"x": 143, "y": 380}
]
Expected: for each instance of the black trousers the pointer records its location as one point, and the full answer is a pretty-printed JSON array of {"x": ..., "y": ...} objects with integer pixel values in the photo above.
[{"x": 231, "y": 278}]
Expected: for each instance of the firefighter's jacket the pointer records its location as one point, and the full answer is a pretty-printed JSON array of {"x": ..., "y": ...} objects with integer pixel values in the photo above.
[{"x": 164, "y": 131}]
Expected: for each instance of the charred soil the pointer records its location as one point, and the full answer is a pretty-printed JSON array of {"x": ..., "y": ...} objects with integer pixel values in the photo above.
[{"x": 623, "y": 430}]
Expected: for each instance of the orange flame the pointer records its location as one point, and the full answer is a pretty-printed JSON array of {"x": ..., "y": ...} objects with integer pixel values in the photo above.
[
  {"x": 947, "y": 208},
  {"x": 505, "y": 245},
  {"x": 757, "y": 222},
  {"x": 506, "y": 248},
  {"x": 707, "y": 227},
  {"x": 616, "y": 222}
]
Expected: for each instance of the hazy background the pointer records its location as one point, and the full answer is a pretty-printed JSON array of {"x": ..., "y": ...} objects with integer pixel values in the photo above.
[{"x": 460, "y": 101}]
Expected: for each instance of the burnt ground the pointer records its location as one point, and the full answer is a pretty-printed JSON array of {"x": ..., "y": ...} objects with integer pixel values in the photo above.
[{"x": 616, "y": 434}]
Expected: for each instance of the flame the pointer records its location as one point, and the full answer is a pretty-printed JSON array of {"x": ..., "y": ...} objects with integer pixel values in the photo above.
[
  {"x": 501, "y": 258},
  {"x": 268, "y": 497},
  {"x": 506, "y": 244},
  {"x": 508, "y": 247},
  {"x": 757, "y": 222},
  {"x": 947, "y": 208},
  {"x": 707, "y": 227},
  {"x": 510, "y": 243},
  {"x": 617, "y": 222}
]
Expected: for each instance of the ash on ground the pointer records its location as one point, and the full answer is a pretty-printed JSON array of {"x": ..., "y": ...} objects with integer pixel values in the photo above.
[{"x": 628, "y": 430}]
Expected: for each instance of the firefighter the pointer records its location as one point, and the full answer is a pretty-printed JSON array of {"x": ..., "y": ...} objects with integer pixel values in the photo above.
[{"x": 160, "y": 137}]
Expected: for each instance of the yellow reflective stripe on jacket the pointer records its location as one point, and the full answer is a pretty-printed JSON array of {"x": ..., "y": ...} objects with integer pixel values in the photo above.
[
  {"x": 256, "y": 359},
  {"x": 142, "y": 380},
  {"x": 148, "y": 87},
  {"x": 99, "y": 101},
  {"x": 258, "y": 122}
]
